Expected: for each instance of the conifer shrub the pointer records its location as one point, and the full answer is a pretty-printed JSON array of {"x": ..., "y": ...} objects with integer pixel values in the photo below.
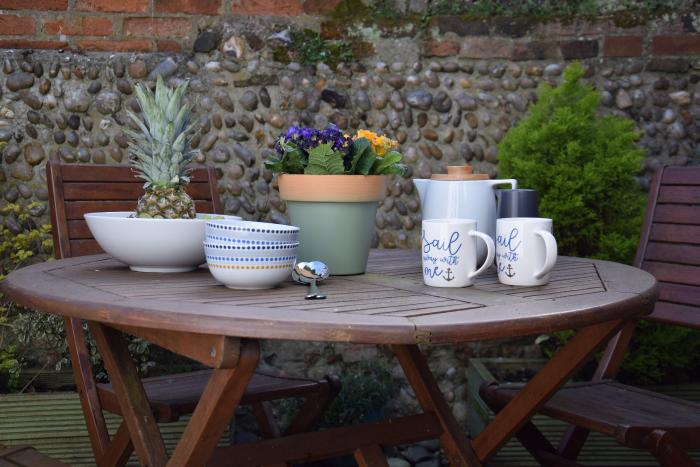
[{"x": 583, "y": 165}]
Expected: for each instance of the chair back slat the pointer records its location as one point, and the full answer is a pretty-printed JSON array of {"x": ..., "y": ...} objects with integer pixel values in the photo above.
[
  {"x": 679, "y": 194},
  {"x": 107, "y": 191},
  {"x": 682, "y": 293},
  {"x": 676, "y": 213},
  {"x": 675, "y": 233},
  {"x": 673, "y": 252},
  {"x": 79, "y": 189},
  {"x": 666, "y": 272},
  {"x": 84, "y": 247},
  {"x": 75, "y": 210},
  {"x": 78, "y": 230},
  {"x": 676, "y": 313},
  {"x": 115, "y": 173},
  {"x": 670, "y": 244}
]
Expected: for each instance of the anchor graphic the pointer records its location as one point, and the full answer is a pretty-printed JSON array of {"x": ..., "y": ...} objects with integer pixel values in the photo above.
[
  {"x": 510, "y": 272},
  {"x": 448, "y": 277}
]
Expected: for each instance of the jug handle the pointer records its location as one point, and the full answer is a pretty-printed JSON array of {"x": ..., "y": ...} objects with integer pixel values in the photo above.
[{"x": 506, "y": 181}]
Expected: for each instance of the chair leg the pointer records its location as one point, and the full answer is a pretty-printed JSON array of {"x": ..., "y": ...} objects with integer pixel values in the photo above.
[
  {"x": 529, "y": 435},
  {"x": 572, "y": 442},
  {"x": 119, "y": 450},
  {"x": 667, "y": 450},
  {"x": 370, "y": 456},
  {"x": 315, "y": 405},
  {"x": 266, "y": 419}
]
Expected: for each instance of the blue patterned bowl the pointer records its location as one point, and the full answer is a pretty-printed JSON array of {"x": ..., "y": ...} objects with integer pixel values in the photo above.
[
  {"x": 248, "y": 230},
  {"x": 251, "y": 266}
]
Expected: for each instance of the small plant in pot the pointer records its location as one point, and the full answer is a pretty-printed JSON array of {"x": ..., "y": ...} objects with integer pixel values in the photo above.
[{"x": 332, "y": 182}]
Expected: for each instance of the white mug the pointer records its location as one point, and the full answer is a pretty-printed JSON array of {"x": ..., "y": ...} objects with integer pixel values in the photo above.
[
  {"x": 526, "y": 250},
  {"x": 449, "y": 252}
]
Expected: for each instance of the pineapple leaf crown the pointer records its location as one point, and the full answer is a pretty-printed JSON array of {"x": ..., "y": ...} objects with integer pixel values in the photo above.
[{"x": 161, "y": 151}]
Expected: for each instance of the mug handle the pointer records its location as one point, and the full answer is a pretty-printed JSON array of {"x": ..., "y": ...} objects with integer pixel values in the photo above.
[
  {"x": 505, "y": 181},
  {"x": 490, "y": 252},
  {"x": 550, "y": 253}
]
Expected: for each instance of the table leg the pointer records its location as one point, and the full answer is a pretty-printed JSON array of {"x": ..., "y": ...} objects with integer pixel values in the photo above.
[
  {"x": 545, "y": 383},
  {"x": 215, "y": 409},
  {"x": 453, "y": 439},
  {"x": 133, "y": 402}
]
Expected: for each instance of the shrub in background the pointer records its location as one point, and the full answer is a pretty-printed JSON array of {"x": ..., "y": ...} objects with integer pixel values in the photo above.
[
  {"x": 662, "y": 353},
  {"x": 366, "y": 388},
  {"x": 22, "y": 242},
  {"x": 583, "y": 166}
]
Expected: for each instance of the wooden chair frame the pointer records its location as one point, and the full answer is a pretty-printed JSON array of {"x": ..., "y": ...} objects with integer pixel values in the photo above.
[
  {"x": 76, "y": 189},
  {"x": 673, "y": 212},
  {"x": 23, "y": 456}
]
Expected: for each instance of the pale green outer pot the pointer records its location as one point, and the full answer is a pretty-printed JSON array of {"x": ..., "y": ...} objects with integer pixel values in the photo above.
[
  {"x": 336, "y": 216},
  {"x": 339, "y": 234}
]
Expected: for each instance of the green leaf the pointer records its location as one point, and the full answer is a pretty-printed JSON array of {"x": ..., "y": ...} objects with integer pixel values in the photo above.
[
  {"x": 362, "y": 158},
  {"x": 364, "y": 166},
  {"x": 290, "y": 165},
  {"x": 294, "y": 162},
  {"x": 359, "y": 147},
  {"x": 387, "y": 164},
  {"x": 291, "y": 162},
  {"x": 323, "y": 160}
]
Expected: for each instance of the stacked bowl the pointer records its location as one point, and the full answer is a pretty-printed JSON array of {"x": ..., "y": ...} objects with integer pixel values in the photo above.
[{"x": 250, "y": 255}]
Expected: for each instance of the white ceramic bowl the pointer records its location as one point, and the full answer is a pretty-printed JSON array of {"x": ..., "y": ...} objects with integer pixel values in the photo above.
[
  {"x": 249, "y": 230},
  {"x": 151, "y": 245},
  {"x": 251, "y": 266}
]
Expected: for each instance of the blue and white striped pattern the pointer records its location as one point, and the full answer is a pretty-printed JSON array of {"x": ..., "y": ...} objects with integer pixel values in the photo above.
[
  {"x": 251, "y": 260},
  {"x": 243, "y": 241},
  {"x": 279, "y": 246},
  {"x": 253, "y": 227}
]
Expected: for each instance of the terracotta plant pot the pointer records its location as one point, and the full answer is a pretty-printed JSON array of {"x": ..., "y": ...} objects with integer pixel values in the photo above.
[{"x": 336, "y": 215}]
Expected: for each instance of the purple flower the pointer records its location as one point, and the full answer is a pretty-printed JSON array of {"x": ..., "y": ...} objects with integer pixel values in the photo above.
[
  {"x": 339, "y": 140},
  {"x": 293, "y": 133},
  {"x": 307, "y": 138}
]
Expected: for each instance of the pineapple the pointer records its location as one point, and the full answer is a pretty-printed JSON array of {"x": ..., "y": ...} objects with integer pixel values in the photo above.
[{"x": 161, "y": 151}]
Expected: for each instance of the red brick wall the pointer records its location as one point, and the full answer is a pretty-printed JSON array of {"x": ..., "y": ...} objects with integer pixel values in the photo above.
[
  {"x": 519, "y": 40},
  {"x": 127, "y": 25},
  {"x": 172, "y": 25}
]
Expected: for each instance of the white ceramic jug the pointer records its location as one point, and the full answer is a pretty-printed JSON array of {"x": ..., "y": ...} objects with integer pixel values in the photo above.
[{"x": 462, "y": 194}]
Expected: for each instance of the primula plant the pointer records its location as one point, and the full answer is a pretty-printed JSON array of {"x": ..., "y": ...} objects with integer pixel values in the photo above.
[{"x": 333, "y": 152}]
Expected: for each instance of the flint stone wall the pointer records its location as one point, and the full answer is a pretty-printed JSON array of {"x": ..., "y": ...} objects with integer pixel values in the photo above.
[{"x": 448, "y": 94}]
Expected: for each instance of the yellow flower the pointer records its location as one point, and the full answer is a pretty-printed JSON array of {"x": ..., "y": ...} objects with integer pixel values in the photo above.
[{"x": 380, "y": 144}]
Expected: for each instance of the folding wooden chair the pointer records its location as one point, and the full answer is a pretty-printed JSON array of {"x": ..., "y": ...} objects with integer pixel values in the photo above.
[
  {"x": 77, "y": 189},
  {"x": 667, "y": 427}
]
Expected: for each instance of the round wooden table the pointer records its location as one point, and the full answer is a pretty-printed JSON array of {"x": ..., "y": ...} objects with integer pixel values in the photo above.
[{"x": 192, "y": 315}]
